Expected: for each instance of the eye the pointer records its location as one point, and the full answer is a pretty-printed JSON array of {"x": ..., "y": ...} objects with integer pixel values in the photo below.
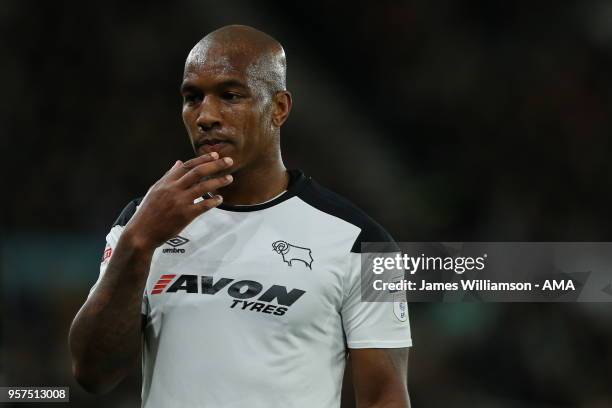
[
  {"x": 192, "y": 98},
  {"x": 231, "y": 96}
]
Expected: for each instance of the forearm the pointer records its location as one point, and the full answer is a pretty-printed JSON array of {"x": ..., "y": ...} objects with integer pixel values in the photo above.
[
  {"x": 393, "y": 398},
  {"x": 106, "y": 333},
  {"x": 387, "y": 403},
  {"x": 379, "y": 377}
]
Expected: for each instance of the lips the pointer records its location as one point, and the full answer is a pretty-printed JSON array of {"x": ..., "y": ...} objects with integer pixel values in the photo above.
[{"x": 213, "y": 145}]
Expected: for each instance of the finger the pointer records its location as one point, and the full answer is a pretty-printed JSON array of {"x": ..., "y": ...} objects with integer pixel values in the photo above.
[
  {"x": 176, "y": 172},
  {"x": 205, "y": 205},
  {"x": 196, "y": 174},
  {"x": 174, "y": 167},
  {"x": 213, "y": 184}
]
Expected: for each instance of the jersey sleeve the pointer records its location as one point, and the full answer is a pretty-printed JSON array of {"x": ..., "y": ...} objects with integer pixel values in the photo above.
[
  {"x": 382, "y": 324},
  {"x": 111, "y": 243}
]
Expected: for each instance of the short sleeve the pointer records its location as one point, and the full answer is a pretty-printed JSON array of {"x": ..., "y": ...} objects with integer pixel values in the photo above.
[
  {"x": 112, "y": 238},
  {"x": 372, "y": 324}
]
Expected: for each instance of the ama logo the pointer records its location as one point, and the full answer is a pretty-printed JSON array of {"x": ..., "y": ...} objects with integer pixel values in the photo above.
[{"x": 292, "y": 253}]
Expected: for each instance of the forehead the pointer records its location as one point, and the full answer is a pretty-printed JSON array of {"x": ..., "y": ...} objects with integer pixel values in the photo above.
[{"x": 217, "y": 61}]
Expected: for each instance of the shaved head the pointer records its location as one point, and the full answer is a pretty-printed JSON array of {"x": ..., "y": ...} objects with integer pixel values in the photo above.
[
  {"x": 238, "y": 47},
  {"x": 235, "y": 98}
]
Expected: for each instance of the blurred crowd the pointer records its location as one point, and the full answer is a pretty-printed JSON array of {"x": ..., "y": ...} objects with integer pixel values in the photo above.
[{"x": 444, "y": 120}]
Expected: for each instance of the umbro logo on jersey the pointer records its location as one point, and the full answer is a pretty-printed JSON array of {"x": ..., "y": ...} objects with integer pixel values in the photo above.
[
  {"x": 292, "y": 253},
  {"x": 177, "y": 241},
  {"x": 174, "y": 243}
]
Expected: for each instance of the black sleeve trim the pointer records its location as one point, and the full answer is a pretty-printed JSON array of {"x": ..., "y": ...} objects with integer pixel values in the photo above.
[
  {"x": 338, "y": 206},
  {"x": 127, "y": 212}
]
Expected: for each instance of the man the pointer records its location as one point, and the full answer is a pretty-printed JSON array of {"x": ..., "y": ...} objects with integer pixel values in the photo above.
[{"x": 250, "y": 300}]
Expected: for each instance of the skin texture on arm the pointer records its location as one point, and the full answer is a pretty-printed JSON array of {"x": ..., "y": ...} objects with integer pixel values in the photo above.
[
  {"x": 379, "y": 378},
  {"x": 347, "y": 397},
  {"x": 105, "y": 334}
]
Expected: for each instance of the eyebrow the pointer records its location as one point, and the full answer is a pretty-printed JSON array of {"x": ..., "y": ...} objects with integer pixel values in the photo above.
[{"x": 228, "y": 83}]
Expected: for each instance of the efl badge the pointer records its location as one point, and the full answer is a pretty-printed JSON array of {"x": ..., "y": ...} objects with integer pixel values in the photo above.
[{"x": 400, "y": 306}]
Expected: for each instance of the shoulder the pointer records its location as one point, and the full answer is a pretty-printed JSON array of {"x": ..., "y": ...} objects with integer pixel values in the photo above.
[
  {"x": 335, "y": 205},
  {"x": 127, "y": 212}
]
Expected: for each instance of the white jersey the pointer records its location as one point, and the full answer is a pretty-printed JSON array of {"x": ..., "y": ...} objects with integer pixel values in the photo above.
[{"x": 255, "y": 306}]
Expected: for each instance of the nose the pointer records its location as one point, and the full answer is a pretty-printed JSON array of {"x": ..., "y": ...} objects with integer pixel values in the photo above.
[{"x": 209, "y": 117}]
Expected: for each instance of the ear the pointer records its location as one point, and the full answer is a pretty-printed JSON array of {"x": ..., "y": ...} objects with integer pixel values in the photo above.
[{"x": 282, "y": 106}]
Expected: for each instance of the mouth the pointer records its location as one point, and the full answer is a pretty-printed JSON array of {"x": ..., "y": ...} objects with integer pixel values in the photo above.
[{"x": 209, "y": 145}]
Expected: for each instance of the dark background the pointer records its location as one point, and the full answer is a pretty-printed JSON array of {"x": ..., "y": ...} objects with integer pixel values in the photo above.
[{"x": 444, "y": 120}]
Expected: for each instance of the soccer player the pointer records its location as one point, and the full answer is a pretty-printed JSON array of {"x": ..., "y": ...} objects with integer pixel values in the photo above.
[{"x": 250, "y": 300}]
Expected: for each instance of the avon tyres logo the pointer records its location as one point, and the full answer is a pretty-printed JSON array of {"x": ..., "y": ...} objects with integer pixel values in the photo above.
[
  {"x": 161, "y": 284},
  {"x": 240, "y": 291},
  {"x": 174, "y": 243},
  {"x": 293, "y": 253}
]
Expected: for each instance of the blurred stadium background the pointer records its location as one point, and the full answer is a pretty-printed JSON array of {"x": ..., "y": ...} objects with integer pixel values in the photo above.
[{"x": 445, "y": 120}]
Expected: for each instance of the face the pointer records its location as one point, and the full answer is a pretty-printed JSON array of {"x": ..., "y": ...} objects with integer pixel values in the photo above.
[{"x": 225, "y": 109}]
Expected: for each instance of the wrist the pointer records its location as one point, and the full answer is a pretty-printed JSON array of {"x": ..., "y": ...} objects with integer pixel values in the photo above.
[{"x": 137, "y": 242}]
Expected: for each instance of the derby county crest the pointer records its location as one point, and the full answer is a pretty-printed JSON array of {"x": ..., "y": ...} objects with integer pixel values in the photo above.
[{"x": 292, "y": 253}]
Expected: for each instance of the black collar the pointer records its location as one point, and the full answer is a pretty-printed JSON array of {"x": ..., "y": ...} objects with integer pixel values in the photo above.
[{"x": 297, "y": 180}]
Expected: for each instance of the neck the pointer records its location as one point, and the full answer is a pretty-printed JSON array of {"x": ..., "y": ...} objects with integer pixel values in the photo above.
[{"x": 257, "y": 184}]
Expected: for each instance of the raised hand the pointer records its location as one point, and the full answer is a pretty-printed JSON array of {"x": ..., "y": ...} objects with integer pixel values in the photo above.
[{"x": 169, "y": 207}]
